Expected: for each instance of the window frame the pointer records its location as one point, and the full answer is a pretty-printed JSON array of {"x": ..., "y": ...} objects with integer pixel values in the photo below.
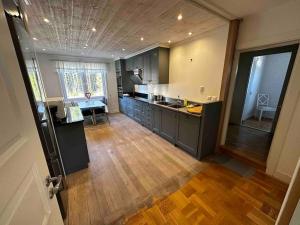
[{"x": 85, "y": 85}]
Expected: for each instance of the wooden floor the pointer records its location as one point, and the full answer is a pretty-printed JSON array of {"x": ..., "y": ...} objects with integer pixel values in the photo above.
[
  {"x": 217, "y": 196},
  {"x": 249, "y": 142},
  {"x": 264, "y": 125},
  {"x": 131, "y": 168}
]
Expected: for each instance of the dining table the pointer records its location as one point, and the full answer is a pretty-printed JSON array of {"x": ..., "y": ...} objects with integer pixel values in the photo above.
[{"x": 91, "y": 105}]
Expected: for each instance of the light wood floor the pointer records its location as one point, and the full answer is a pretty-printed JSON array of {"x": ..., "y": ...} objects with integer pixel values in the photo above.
[
  {"x": 133, "y": 170},
  {"x": 130, "y": 166}
]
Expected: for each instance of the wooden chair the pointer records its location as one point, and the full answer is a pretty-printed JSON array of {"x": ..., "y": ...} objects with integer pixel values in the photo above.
[{"x": 262, "y": 105}]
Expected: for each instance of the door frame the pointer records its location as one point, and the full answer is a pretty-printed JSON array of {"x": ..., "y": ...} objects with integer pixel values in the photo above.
[{"x": 243, "y": 74}]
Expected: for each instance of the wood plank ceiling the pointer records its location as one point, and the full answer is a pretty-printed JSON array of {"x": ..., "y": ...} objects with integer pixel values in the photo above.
[{"x": 119, "y": 25}]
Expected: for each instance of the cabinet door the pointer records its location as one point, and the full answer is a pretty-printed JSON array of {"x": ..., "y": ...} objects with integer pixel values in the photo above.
[
  {"x": 156, "y": 119},
  {"x": 129, "y": 64},
  {"x": 138, "y": 62},
  {"x": 121, "y": 105},
  {"x": 188, "y": 133},
  {"x": 168, "y": 126},
  {"x": 147, "y": 116},
  {"x": 154, "y": 66},
  {"x": 147, "y": 76},
  {"x": 137, "y": 109}
]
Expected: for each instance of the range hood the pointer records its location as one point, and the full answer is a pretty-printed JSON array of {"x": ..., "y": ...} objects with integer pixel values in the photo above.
[{"x": 136, "y": 76}]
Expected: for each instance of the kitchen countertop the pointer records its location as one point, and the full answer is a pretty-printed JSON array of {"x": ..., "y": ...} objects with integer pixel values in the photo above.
[{"x": 182, "y": 110}]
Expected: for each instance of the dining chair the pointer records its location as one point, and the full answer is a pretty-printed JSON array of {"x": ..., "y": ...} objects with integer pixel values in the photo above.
[{"x": 262, "y": 104}]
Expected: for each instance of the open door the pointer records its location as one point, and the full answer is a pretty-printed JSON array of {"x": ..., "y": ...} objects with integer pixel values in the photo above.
[{"x": 24, "y": 198}]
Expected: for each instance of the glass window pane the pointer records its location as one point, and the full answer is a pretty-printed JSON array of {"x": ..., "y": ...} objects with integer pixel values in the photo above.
[
  {"x": 73, "y": 84},
  {"x": 94, "y": 82}
]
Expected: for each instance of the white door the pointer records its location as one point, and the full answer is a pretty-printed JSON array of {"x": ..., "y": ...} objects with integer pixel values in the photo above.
[{"x": 24, "y": 197}]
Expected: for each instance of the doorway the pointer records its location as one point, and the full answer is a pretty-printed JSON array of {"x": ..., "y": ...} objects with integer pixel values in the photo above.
[{"x": 259, "y": 92}]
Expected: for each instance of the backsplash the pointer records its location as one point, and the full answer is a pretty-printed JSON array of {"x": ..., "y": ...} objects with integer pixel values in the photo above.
[{"x": 173, "y": 91}]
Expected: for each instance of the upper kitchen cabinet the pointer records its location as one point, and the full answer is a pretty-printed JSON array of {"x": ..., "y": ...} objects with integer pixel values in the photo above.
[{"x": 154, "y": 64}]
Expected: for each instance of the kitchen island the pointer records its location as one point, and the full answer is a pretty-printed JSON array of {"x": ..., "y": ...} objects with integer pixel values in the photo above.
[{"x": 71, "y": 140}]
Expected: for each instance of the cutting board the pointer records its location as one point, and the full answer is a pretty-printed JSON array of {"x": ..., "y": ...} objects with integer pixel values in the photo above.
[{"x": 196, "y": 109}]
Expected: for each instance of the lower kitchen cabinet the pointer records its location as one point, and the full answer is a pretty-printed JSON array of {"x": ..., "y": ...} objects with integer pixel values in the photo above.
[
  {"x": 147, "y": 116},
  {"x": 168, "y": 125},
  {"x": 122, "y": 105},
  {"x": 188, "y": 133},
  {"x": 194, "y": 134},
  {"x": 156, "y": 119}
]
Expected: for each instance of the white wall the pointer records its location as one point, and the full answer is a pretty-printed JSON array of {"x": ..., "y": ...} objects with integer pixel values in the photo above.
[
  {"x": 274, "y": 72},
  {"x": 52, "y": 83},
  {"x": 274, "y": 26},
  {"x": 185, "y": 76},
  {"x": 253, "y": 87}
]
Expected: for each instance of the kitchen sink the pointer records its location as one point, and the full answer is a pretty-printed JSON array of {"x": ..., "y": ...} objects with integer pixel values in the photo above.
[
  {"x": 164, "y": 103},
  {"x": 176, "y": 106}
]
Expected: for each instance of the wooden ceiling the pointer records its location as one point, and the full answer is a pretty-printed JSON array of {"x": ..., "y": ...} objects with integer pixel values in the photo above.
[{"x": 119, "y": 24}]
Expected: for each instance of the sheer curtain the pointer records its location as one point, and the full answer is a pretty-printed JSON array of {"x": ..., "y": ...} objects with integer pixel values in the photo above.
[{"x": 79, "y": 78}]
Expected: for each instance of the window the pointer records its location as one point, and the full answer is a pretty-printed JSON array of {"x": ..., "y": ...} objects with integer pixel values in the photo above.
[
  {"x": 77, "y": 79},
  {"x": 34, "y": 79}
]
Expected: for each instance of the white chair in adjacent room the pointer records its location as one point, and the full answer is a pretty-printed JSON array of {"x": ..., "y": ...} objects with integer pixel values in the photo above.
[{"x": 262, "y": 105}]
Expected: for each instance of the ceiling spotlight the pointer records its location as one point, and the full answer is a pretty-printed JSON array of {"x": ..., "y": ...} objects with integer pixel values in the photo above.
[
  {"x": 46, "y": 20},
  {"x": 94, "y": 29},
  {"x": 34, "y": 38},
  {"x": 179, "y": 17},
  {"x": 123, "y": 49},
  {"x": 84, "y": 47},
  {"x": 142, "y": 38},
  {"x": 190, "y": 33},
  {"x": 44, "y": 49},
  {"x": 169, "y": 41}
]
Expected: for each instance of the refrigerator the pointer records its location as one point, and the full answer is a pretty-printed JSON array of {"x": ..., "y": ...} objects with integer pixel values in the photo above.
[{"x": 28, "y": 62}]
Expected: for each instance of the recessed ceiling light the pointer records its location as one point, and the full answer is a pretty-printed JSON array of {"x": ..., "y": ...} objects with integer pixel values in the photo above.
[
  {"x": 123, "y": 49},
  {"x": 179, "y": 17},
  {"x": 34, "y": 38},
  {"x": 44, "y": 49},
  {"x": 190, "y": 33},
  {"x": 142, "y": 38},
  {"x": 94, "y": 29},
  {"x": 169, "y": 41},
  {"x": 46, "y": 20},
  {"x": 84, "y": 47}
]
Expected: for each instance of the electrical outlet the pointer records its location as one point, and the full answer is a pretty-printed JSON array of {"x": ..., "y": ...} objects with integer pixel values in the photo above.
[{"x": 201, "y": 89}]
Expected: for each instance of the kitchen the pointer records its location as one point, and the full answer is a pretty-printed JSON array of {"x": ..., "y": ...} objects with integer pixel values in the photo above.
[{"x": 134, "y": 99}]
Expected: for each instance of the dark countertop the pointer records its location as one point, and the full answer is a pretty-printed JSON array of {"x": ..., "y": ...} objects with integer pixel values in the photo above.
[{"x": 182, "y": 110}]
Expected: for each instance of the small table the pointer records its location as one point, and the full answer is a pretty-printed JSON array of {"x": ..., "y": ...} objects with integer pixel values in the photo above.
[{"x": 91, "y": 105}]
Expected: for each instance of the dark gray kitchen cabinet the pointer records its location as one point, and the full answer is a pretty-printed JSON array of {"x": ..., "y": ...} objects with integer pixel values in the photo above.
[
  {"x": 122, "y": 105},
  {"x": 129, "y": 107},
  {"x": 156, "y": 119},
  {"x": 154, "y": 63},
  {"x": 168, "y": 126},
  {"x": 147, "y": 76},
  {"x": 138, "y": 61},
  {"x": 188, "y": 133},
  {"x": 130, "y": 64},
  {"x": 147, "y": 116},
  {"x": 137, "y": 111}
]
